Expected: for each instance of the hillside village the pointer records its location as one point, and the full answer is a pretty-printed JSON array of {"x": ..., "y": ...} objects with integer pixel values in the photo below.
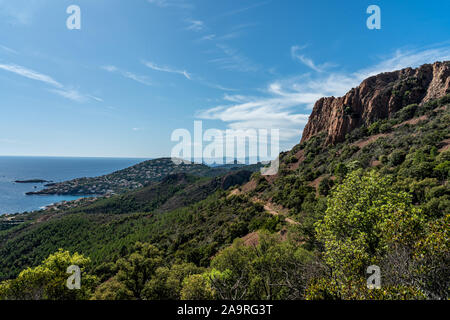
[{"x": 128, "y": 179}]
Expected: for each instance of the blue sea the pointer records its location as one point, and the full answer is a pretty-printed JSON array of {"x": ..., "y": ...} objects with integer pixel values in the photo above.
[{"x": 12, "y": 195}]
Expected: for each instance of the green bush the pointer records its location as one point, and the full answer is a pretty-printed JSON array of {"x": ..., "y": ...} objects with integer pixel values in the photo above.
[
  {"x": 325, "y": 186},
  {"x": 397, "y": 157}
]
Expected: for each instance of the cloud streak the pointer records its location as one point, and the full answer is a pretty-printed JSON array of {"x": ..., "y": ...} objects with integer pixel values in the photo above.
[
  {"x": 60, "y": 90},
  {"x": 7, "y": 49},
  {"x": 233, "y": 60},
  {"x": 285, "y": 102},
  {"x": 195, "y": 25},
  {"x": 237, "y": 11},
  {"x": 70, "y": 94},
  {"x": 30, "y": 74},
  {"x": 182, "y": 4},
  {"x": 155, "y": 67},
  {"x": 307, "y": 61},
  {"x": 129, "y": 75}
]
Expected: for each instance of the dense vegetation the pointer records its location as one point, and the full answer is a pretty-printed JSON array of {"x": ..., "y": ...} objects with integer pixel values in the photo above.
[{"x": 379, "y": 198}]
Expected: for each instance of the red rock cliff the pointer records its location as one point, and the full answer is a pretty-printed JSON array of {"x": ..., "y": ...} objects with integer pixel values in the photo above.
[{"x": 377, "y": 97}]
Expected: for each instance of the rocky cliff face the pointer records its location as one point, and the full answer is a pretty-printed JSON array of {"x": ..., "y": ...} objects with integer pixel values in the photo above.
[{"x": 377, "y": 97}]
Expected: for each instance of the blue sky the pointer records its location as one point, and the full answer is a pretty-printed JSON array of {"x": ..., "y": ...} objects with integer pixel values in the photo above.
[{"x": 137, "y": 70}]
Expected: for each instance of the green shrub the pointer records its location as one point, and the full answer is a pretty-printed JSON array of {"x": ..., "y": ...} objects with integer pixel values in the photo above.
[
  {"x": 385, "y": 127},
  {"x": 397, "y": 157},
  {"x": 325, "y": 186}
]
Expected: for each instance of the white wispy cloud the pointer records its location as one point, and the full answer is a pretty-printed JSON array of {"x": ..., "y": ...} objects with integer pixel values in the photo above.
[
  {"x": 110, "y": 68},
  {"x": 95, "y": 98},
  {"x": 187, "y": 75},
  {"x": 182, "y": 4},
  {"x": 75, "y": 95},
  {"x": 233, "y": 33},
  {"x": 208, "y": 37},
  {"x": 284, "y": 103},
  {"x": 130, "y": 75},
  {"x": 30, "y": 74},
  {"x": 228, "y": 58},
  {"x": 218, "y": 86},
  {"x": 243, "y": 9},
  {"x": 71, "y": 94},
  {"x": 233, "y": 60},
  {"x": 156, "y": 67},
  {"x": 409, "y": 58},
  {"x": 61, "y": 90},
  {"x": 195, "y": 25},
  {"x": 338, "y": 83},
  {"x": 7, "y": 49},
  {"x": 307, "y": 61},
  {"x": 269, "y": 112},
  {"x": 230, "y": 35}
]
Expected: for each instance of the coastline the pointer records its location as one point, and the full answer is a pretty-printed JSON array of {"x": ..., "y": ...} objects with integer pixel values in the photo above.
[{"x": 13, "y": 198}]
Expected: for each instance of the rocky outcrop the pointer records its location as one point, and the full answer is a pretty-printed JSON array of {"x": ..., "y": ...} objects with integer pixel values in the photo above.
[{"x": 377, "y": 97}]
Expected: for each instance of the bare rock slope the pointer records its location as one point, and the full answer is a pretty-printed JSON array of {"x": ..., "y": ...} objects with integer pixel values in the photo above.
[{"x": 377, "y": 97}]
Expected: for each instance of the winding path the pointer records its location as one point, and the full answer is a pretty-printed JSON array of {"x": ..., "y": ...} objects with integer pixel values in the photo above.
[{"x": 273, "y": 211}]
